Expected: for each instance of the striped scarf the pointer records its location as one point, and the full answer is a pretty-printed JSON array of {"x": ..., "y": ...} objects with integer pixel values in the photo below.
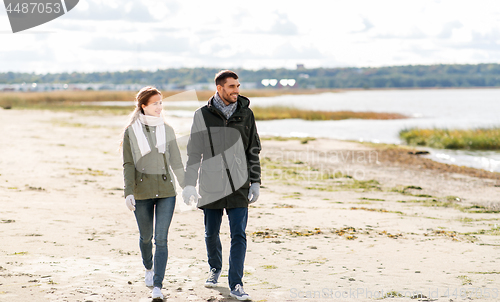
[{"x": 227, "y": 110}]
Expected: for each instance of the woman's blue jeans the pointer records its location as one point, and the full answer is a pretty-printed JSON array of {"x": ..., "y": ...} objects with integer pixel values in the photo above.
[
  {"x": 160, "y": 211},
  {"x": 237, "y": 224}
]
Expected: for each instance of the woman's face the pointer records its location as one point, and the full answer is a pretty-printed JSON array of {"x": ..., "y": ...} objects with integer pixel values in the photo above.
[{"x": 154, "y": 106}]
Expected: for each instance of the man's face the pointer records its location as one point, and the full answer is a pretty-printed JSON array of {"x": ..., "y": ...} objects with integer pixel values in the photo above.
[{"x": 229, "y": 92}]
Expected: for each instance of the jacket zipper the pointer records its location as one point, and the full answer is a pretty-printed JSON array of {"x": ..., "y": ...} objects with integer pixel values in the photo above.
[
  {"x": 224, "y": 155},
  {"x": 158, "y": 184}
]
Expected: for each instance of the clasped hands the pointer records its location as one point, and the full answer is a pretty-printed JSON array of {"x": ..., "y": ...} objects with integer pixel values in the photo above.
[{"x": 190, "y": 196}]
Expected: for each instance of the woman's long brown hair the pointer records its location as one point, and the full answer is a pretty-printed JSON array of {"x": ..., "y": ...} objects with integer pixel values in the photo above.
[{"x": 142, "y": 98}]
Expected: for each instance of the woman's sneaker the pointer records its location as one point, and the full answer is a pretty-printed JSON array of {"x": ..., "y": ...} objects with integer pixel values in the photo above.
[
  {"x": 239, "y": 293},
  {"x": 156, "y": 294},
  {"x": 213, "y": 278},
  {"x": 148, "y": 277}
]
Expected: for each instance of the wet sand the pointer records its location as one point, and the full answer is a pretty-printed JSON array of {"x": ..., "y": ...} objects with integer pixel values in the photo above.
[{"x": 335, "y": 221}]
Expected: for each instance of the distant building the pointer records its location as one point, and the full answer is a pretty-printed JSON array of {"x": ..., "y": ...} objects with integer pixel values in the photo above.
[
  {"x": 7, "y": 87},
  {"x": 278, "y": 84},
  {"x": 211, "y": 86},
  {"x": 200, "y": 86},
  {"x": 248, "y": 85},
  {"x": 287, "y": 82},
  {"x": 41, "y": 87}
]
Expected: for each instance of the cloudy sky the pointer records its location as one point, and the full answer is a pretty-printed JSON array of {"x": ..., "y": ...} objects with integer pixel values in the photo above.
[{"x": 116, "y": 35}]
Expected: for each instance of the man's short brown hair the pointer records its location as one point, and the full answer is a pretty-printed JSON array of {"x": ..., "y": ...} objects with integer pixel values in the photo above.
[{"x": 221, "y": 76}]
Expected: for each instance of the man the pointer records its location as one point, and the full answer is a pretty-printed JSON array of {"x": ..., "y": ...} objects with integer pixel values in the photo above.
[{"x": 223, "y": 156}]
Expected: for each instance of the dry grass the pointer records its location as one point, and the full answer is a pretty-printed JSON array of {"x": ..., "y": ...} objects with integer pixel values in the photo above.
[
  {"x": 72, "y": 100},
  {"x": 28, "y": 99},
  {"x": 57, "y": 98},
  {"x": 471, "y": 139},
  {"x": 405, "y": 156},
  {"x": 252, "y": 93},
  {"x": 283, "y": 112}
]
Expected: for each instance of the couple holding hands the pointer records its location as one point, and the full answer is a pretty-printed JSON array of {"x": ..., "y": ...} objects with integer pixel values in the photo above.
[{"x": 222, "y": 157}]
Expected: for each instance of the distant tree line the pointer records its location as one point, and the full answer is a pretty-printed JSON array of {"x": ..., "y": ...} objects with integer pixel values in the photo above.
[{"x": 480, "y": 75}]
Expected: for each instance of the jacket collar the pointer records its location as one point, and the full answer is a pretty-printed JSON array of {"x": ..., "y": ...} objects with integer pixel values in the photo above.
[{"x": 243, "y": 102}]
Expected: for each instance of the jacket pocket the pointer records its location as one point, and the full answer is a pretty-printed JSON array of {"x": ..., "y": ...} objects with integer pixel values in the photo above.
[
  {"x": 141, "y": 181},
  {"x": 212, "y": 175},
  {"x": 238, "y": 168}
]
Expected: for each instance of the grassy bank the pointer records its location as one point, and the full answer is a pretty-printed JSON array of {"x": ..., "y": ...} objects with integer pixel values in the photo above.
[
  {"x": 72, "y": 100},
  {"x": 473, "y": 139},
  {"x": 283, "y": 112},
  {"x": 57, "y": 98}
]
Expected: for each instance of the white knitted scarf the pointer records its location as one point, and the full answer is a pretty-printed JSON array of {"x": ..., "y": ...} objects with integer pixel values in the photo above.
[{"x": 142, "y": 140}]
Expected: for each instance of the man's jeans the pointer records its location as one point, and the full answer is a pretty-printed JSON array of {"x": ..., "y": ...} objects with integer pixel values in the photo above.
[
  {"x": 145, "y": 211},
  {"x": 237, "y": 223}
]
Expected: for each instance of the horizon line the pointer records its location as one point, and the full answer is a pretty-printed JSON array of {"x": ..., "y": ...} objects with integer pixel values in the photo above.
[{"x": 259, "y": 69}]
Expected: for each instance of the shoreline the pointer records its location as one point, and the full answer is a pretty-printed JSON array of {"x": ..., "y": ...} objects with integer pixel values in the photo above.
[
  {"x": 435, "y": 164},
  {"x": 263, "y": 92},
  {"x": 400, "y": 154},
  {"x": 384, "y": 227}
]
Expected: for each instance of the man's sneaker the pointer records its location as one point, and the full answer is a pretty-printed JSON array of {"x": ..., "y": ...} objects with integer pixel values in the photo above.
[
  {"x": 148, "y": 277},
  {"x": 212, "y": 278},
  {"x": 239, "y": 293},
  {"x": 156, "y": 294}
]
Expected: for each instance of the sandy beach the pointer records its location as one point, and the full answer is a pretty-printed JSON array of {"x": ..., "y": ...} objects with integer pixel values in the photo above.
[{"x": 336, "y": 220}]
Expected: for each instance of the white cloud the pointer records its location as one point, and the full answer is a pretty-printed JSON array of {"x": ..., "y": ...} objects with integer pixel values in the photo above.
[
  {"x": 413, "y": 33},
  {"x": 13, "y": 59},
  {"x": 448, "y": 29},
  {"x": 488, "y": 41},
  {"x": 367, "y": 24},
  {"x": 283, "y": 26},
  {"x": 159, "y": 43},
  {"x": 97, "y": 10},
  {"x": 120, "y": 34},
  {"x": 289, "y": 51}
]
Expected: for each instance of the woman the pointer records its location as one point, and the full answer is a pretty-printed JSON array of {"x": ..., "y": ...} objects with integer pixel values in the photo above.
[{"x": 150, "y": 152}]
